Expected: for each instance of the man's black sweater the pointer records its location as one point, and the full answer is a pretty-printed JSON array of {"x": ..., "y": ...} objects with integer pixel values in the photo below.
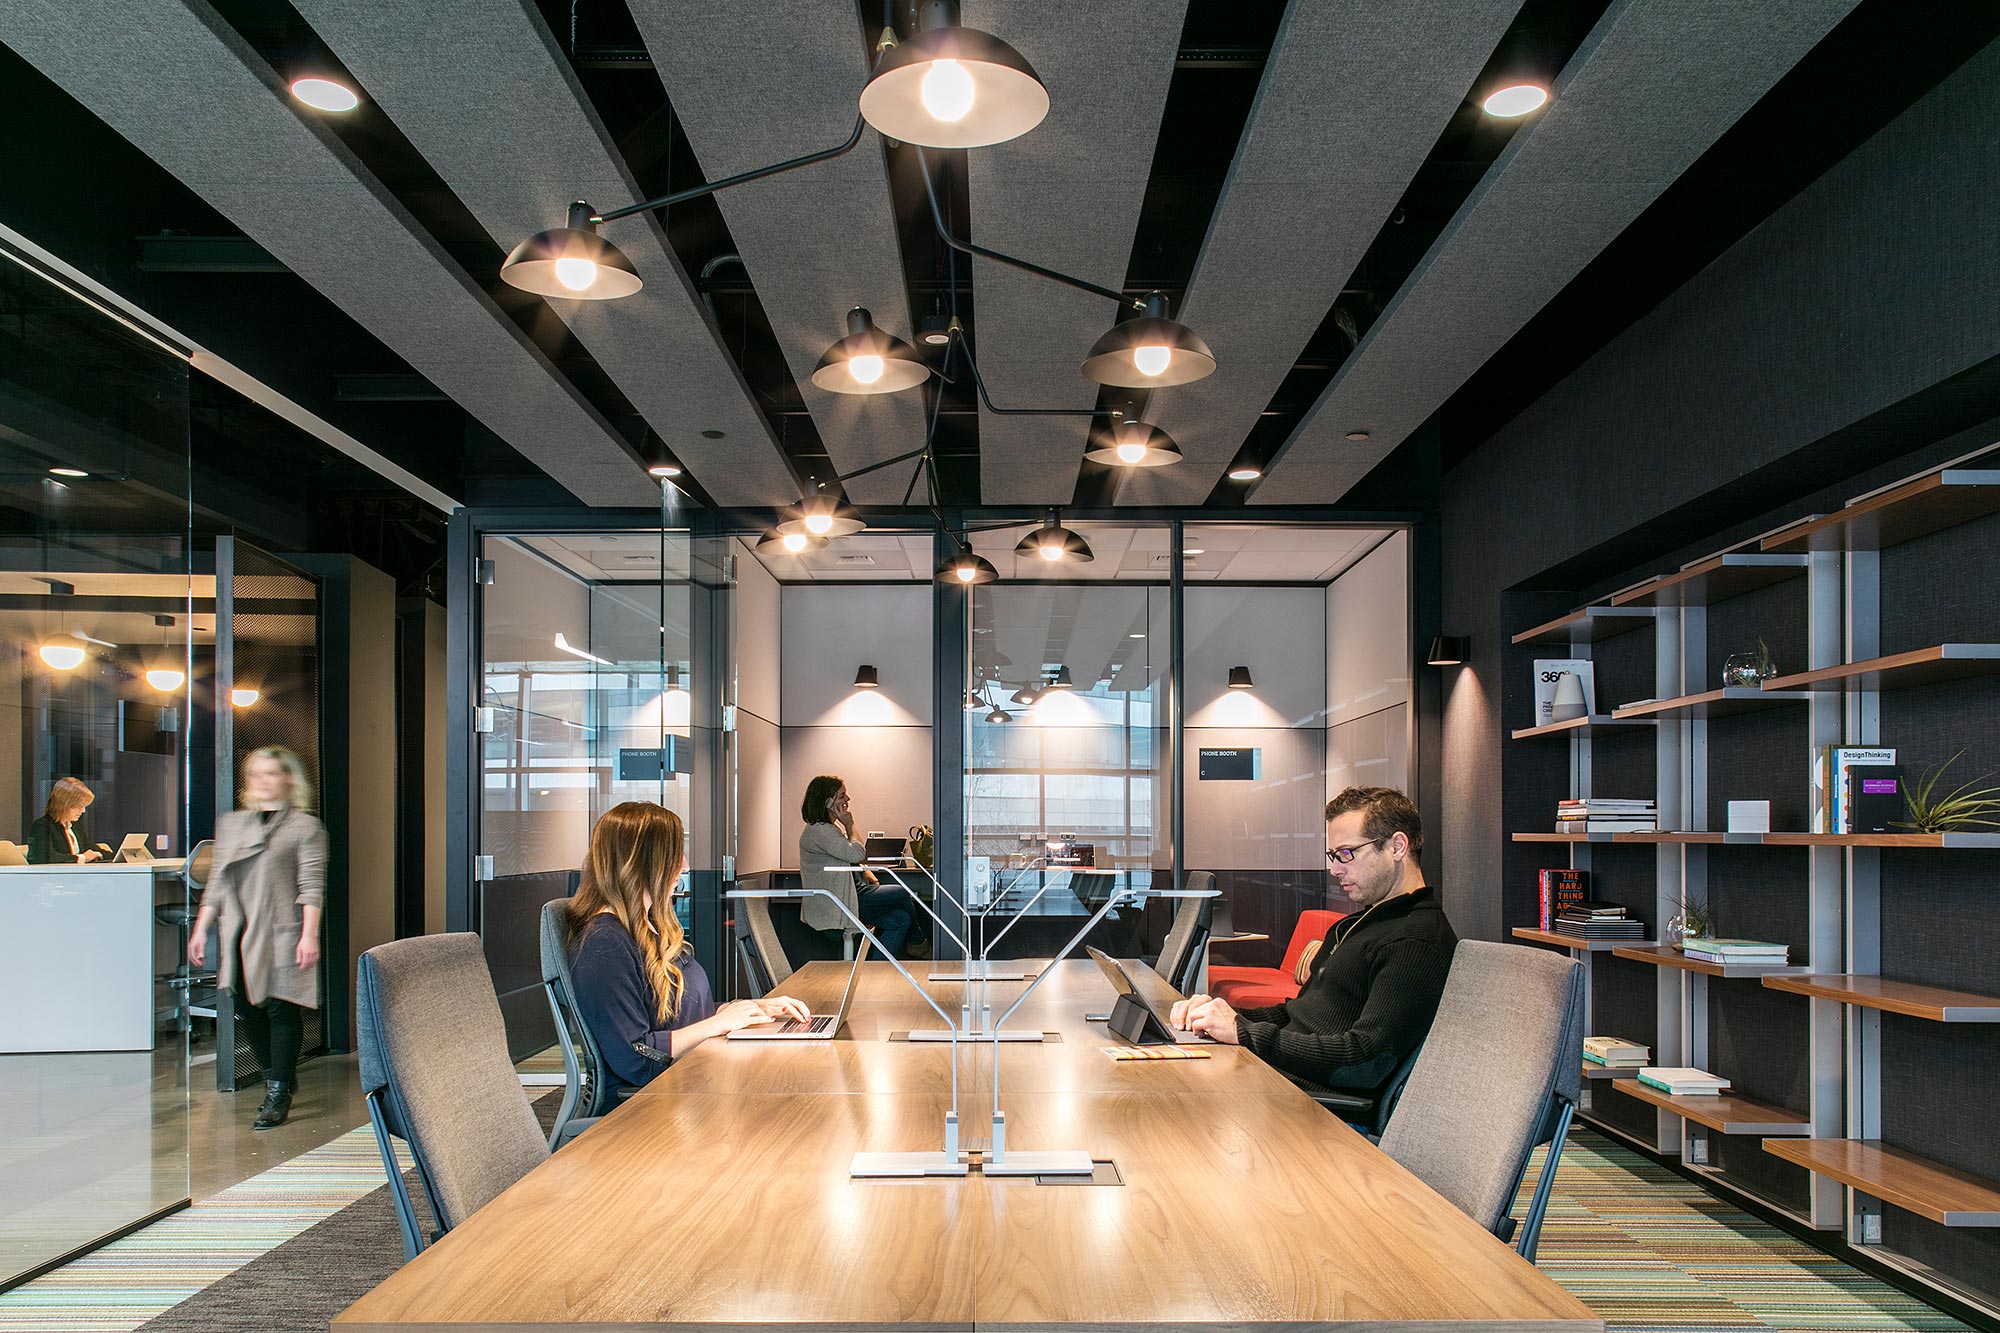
[{"x": 1369, "y": 1000}]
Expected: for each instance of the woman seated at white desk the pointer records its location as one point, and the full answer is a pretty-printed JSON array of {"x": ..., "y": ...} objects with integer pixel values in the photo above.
[
  {"x": 53, "y": 839},
  {"x": 637, "y": 981},
  {"x": 828, "y": 840}
]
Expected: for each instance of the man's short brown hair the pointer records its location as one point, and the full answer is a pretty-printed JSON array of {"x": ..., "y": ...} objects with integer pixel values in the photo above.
[{"x": 1385, "y": 811}]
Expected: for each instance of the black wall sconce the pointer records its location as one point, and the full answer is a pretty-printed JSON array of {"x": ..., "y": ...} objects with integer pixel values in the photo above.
[
  {"x": 1239, "y": 678},
  {"x": 865, "y": 678},
  {"x": 1450, "y": 650}
]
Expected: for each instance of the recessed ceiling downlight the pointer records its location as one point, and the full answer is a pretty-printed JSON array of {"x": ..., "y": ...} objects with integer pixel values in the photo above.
[
  {"x": 324, "y": 94},
  {"x": 1516, "y": 99}
]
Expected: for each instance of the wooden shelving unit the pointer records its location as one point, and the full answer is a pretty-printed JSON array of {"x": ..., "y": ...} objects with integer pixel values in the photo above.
[
  {"x": 1588, "y": 625},
  {"x": 1940, "y": 841},
  {"x": 1696, "y": 838},
  {"x": 1916, "y": 1184},
  {"x": 1920, "y": 666},
  {"x": 1708, "y": 704},
  {"x": 1715, "y": 579},
  {"x": 1665, "y": 955},
  {"x": 1562, "y": 941},
  {"x": 1597, "y": 724},
  {"x": 1562, "y": 837},
  {"x": 1915, "y": 509},
  {"x": 1725, "y": 1112},
  {"x": 1896, "y": 997}
]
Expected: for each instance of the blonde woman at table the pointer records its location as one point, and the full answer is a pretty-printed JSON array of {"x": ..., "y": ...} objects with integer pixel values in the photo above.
[
  {"x": 268, "y": 885},
  {"x": 637, "y": 980},
  {"x": 53, "y": 839}
]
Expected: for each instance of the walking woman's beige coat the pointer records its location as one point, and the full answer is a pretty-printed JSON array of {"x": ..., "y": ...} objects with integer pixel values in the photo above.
[{"x": 263, "y": 875}]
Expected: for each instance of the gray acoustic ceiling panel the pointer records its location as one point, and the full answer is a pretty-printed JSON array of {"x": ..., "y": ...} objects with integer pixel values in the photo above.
[
  {"x": 759, "y": 81},
  {"x": 1355, "y": 95},
  {"x": 175, "y": 80},
  {"x": 1654, "y": 85},
  {"x": 1066, "y": 195},
  {"x": 533, "y": 145}
]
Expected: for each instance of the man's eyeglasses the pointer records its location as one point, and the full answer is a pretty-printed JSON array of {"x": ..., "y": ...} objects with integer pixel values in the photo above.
[{"x": 1345, "y": 855}]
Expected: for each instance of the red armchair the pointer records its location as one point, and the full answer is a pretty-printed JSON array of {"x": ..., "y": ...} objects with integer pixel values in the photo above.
[{"x": 1260, "y": 987}]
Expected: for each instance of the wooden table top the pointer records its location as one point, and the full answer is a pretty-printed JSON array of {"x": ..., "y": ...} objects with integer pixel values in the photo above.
[{"x": 719, "y": 1197}]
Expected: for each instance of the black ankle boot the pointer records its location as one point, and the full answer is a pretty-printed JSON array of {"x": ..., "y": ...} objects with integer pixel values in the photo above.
[{"x": 277, "y": 1105}]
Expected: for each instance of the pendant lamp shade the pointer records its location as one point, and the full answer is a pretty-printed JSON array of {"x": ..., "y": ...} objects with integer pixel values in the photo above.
[
  {"x": 1061, "y": 680},
  {"x": 1025, "y": 696},
  {"x": 820, "y": 516},
  {"x": 1053, "y": 542},
  {"x": 999, "y": 715},
  {"x": 789, "y": 543},
  {"x": 572, "y": 262},
  {"x": 1150, "y": 352},
  {"x": 967, "y": 567},
  {"x": 868, "y": 360},
  {"x": 865, "y": 678},
  {"x": 1239, "y": 678},
  {"x": 63, "y": 652},
  {"x": 953, "y": 87},
  {"x": 1134, "y": 444}
]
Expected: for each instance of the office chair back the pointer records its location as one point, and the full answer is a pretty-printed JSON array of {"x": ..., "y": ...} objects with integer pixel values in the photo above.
[
  {"x": 1180, "y": 955},
  {"x": 436, "y": 1073},
  {"x": 584, "y": 1079},
  {"x": 767, "y": 951},
  {"x": 199, "y": 865},
  {"x": 1499, "y": 1074}
]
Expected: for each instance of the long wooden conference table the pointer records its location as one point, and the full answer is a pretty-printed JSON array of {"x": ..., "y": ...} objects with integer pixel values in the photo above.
[{"x": 718, "y": 1197}]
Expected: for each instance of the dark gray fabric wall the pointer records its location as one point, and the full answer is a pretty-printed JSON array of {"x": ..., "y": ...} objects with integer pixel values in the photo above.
[{"x": 1807, "y": 343}]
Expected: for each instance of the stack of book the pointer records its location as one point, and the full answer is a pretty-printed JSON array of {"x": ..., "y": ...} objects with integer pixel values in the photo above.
[
  {"x": 1615, "y": 1052},
  {"x": 1682, "y": 1082},
  {"x": 1760, "y": 952},
  {"x": 1561, "y": 888},
  {"x": 1603, "y": 814},
  {"x": 1599, "y": 921}
]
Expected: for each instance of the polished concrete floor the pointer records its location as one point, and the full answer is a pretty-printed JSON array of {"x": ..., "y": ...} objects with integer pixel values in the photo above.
[{"x": 223, "y": 1149}]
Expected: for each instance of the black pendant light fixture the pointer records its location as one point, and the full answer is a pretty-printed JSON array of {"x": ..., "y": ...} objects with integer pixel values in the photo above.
[
  {"x": 1134, "y": 444},
  {"x": 1061, "y": 680},
  {"x": 1150, "y": 352},
  {"x": 1027, "y": 696},
  {"x": 789, "y": 543},
  {"x": 967, "y": 567},
  {"x": 953, "y": 87},
  {"x": 868, "y": 360},
  {"x": 999, "y": 715},
  {"x": 820, "y": 516},
  {"x": 1053, "y": 542},
  {"x": 572, "y": 262}
]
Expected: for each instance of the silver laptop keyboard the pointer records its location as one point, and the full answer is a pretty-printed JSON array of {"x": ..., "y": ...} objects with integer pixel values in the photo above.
[{"x": 818, "y": 1023}]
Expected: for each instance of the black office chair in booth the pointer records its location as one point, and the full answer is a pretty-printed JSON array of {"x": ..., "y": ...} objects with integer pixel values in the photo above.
[
  {"x": 194, "y": 988},
  {"x": 584, "y": 1077}
]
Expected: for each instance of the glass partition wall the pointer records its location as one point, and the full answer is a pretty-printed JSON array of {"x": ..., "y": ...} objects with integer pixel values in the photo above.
[{"x": 101, "y": 603}]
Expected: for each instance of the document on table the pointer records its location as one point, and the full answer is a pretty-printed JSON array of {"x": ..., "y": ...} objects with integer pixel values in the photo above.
[{"x": 1154, "y": 1053}]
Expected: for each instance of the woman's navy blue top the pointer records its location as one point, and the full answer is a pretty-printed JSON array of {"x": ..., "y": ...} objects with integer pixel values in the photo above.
[{"x": 617, "y": 1002}]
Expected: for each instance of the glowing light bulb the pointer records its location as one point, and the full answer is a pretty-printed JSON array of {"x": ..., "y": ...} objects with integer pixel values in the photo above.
[
  {"x": 865, "y": 369},
  {"x": 576, "y": 274},
  {"x": 166, "y": 679},
  {"x": 62, "y": 653},
  {"x": 1517, "y": 100},
  {"x": 1051, "y": 550},
  {"x": 819, "y": 524},
  {"x": 794, "y": 542},
  {"x": 947, "y": 90},
  {"x": 1131, "y": 453},
  {"x": 243, "y": 698},
  {"x": 966, "y": 573},
  {"x": 1152, "y": 361}
]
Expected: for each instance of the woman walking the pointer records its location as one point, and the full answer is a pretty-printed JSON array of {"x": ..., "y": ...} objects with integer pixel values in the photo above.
[{"x": 268, "y": 886}]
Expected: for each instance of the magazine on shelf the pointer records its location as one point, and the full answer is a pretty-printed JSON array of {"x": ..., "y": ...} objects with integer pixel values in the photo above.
[{"x": 1548, "y": 672}]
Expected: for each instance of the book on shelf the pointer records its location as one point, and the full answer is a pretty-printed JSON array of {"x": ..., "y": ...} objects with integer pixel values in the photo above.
[
  {"x": 1616, "y": 1052},
  {"x": 1682, "y": 1082},
  {"x": 1606, "y": 803},
  {"x": 1732, "y": 947},
  {"x": 1606, "y": 825},
  {"x": 1875, "y": 800},
  {"x": 1829, "y": 782},
  {"x": 1602, "y": 930},
  {"x": 1561, "y": 888},
  {"x": 1549, "y": 672},
  {"x": 1594, "y": 907}
]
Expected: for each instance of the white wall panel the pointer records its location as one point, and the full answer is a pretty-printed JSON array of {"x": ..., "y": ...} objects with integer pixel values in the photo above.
[
  {"x": 1368, "y": 634},
  {"x": 1271, "y": 823},
  {"x": 887, "y": 770},
  {"x": 759, "y": 641},
  {"x": 1279, "y": 633}
]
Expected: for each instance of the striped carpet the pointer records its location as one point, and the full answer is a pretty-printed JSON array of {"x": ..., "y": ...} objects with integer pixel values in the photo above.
[{"x": 1645, "y": 1248}]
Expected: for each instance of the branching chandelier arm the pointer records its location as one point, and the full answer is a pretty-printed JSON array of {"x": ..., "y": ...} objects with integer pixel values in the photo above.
[{"x": 741, "y": 178}]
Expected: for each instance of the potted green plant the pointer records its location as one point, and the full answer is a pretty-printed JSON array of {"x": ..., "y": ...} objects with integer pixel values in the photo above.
[{"x": 1966, "y": 806}]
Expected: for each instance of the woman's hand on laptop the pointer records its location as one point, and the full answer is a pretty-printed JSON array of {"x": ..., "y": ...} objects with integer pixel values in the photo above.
[
  {"x": 1183, "y": 1011},
  {"x": 749, "y": 1013},
  {"x": 781, "y": 1007}
]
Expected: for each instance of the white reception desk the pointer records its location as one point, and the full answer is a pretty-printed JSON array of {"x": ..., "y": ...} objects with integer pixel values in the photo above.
[{"x": 76, "y": 957}]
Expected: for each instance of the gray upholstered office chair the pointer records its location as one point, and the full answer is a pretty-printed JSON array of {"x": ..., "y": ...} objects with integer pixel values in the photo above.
[
  {"x": 584, "y": 1079},
  {"x": 1180, "y": 955},
  {"x": 758, "y": 946},
  {"x": 436, "y": 1074},
  {"x": 1499, "y": 1075}
]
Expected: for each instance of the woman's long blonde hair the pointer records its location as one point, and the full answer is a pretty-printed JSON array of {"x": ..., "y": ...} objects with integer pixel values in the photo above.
[
  {"x": 637, "y": 849},
  {"x": 301, "y": 795}
]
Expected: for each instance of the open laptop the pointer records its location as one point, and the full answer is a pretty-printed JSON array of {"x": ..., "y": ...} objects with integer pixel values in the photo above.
[
  {"x": 878, "y": 850},
  {"x": 133, "y": 849},
  {"x": 1121, "y": 981},
  {"x": 819, "y": 1027},
  {"x": 13, "y": 854}
]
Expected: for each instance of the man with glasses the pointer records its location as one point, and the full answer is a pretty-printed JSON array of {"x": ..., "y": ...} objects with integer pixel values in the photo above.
[{"x": 1376, "y": 980}]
